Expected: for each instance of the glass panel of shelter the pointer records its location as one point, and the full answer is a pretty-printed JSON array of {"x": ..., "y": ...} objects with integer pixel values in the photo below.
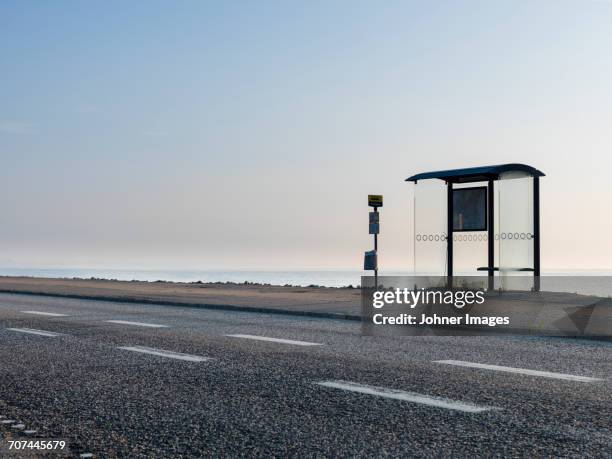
[
  {"x": 516, "y": 231},
  {"x": 429, "y": 231},
  {"x": 470, "y": 249}
]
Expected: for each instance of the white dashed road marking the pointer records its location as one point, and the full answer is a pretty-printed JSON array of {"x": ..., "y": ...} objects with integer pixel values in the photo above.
[
  {"x": 168, "y": 354},
  {"x": 413, "y": 397},
  {"x": 137, "y": 324},
  {"x": 275, "y": 340},
  {"x": 543, "y": 374},
  {"x": 31, "y": 331},
  {"x": 41, "y": 313}
]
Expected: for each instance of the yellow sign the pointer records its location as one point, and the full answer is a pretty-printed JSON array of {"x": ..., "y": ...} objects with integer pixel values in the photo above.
[{"x": 375, "y": 200}]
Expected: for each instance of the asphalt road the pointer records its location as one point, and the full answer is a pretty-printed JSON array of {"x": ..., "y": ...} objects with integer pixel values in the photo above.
[{"x": 119, "y": 389}]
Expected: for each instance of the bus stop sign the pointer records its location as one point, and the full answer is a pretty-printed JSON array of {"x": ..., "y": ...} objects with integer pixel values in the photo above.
[{"x": 375, "y": 200}]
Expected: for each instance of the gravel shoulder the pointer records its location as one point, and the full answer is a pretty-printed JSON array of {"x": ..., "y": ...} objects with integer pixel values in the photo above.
[{"x": 316, "y": 301}]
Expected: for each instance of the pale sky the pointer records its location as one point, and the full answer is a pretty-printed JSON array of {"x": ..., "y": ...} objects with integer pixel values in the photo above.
[{"x": 247, "y": 135}]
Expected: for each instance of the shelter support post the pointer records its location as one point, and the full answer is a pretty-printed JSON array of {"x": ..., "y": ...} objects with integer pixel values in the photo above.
[
  {"x": 449, "y": 233},
  {"x": 491, "y": 234},
  {"x": 536, "y": 233}
]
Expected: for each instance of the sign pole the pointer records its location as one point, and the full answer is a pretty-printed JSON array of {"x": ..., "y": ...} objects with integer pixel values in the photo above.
[
  {"x": 371, "y": 258},
  {"x": 376, "y": 250}
]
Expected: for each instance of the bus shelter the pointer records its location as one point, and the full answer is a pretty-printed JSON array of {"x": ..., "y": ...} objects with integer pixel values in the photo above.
[{"x": 478, "y": 220}]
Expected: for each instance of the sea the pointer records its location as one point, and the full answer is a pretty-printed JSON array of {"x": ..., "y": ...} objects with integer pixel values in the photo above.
[{"x": 325, "y": 278}]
